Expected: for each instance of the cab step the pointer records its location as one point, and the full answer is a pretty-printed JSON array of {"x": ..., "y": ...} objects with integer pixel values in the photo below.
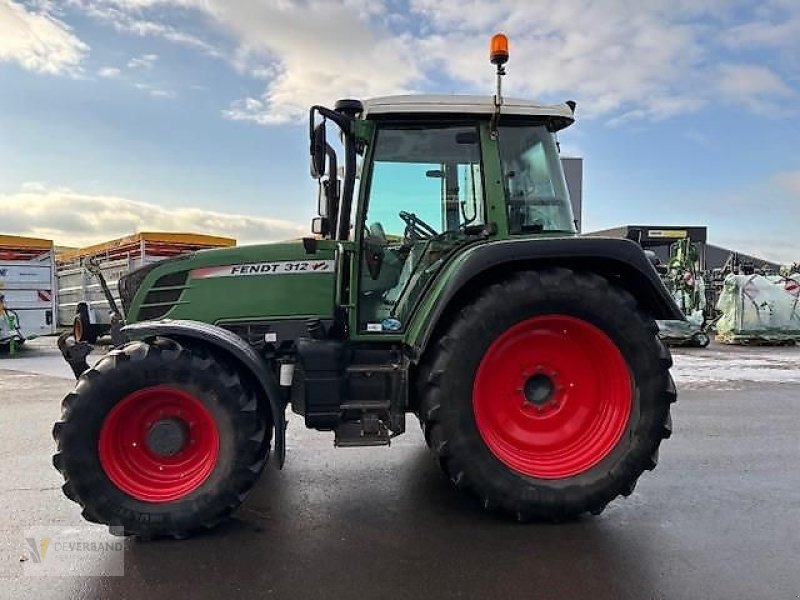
[
  {"x": 367, "y": 405},
  {"x": 367, "y": 431}
]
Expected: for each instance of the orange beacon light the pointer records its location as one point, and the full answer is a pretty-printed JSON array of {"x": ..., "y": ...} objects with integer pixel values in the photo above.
[{"x": 498, "y": 49}]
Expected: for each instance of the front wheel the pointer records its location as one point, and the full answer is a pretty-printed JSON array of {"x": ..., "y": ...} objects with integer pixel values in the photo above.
[
  {"x": 160, "y": 439},
  {"x": 548, "y": 396}
]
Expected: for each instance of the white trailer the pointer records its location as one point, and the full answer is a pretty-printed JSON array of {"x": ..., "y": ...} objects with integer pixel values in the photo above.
[
  {"x": 27, "y": 289},
  {"x": 82, "y": 304}
]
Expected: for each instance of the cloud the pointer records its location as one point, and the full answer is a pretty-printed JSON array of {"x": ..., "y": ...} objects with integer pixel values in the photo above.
[
  {"x": 146, "y": 61},
  {"x": 613, "y": 58},
  {"x": 109, "y": 72},
  {"x": 338, "y": 53},
  {"x": 622, "y": 60},
  {"x": 344, "y": 50},
  {"x": 138, "y": 67},
  {"x": 754, "y": 86},
  {"x": 34, "y": 186},
  {"x": 78, "y": 219},
  {"x": 762, "y": 33},
  {"x": 153, "y": 91},
  {"x": 38, "y": 41},
  {"x": 774, "y": 24},
  {"x": 156, "y": 93},
  {"x": 248, "y": 109},
  {"x": 125, "y": 16}
]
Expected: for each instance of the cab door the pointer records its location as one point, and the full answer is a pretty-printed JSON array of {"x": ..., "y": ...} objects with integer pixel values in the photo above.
[{"x": 422, "y": 197}]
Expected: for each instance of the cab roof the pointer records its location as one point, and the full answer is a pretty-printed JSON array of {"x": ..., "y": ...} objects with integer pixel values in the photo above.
[{"x": 561, "y": 114}]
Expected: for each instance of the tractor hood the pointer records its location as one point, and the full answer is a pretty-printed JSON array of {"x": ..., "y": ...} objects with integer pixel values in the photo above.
[{"x": 235, "y": 285}]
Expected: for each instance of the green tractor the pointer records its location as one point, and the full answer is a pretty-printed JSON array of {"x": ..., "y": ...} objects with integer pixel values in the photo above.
[{"x": 445, "y": 280}]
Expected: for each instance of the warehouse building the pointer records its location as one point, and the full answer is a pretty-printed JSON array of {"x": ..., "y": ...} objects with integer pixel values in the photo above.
[
  {"x": 573, "y": 174},
  {"x": 659, "y": 238}
]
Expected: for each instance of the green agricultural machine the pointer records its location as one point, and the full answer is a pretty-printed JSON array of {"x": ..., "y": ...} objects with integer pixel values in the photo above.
[
  {"x": 685, "y": 281},
  {"x": 445, "y": 280}
]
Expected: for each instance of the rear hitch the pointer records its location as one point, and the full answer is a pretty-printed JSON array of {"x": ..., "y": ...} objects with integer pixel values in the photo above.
[
  {"x": 74, "y": 353},
  {"x": 117, "y": 323}
]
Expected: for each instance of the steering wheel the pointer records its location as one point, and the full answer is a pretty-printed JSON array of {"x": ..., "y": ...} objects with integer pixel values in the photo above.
[{"x": 416, "y": 228}]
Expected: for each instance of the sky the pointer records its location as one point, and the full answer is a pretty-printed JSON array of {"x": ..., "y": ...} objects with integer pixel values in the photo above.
[{"x": 191, "y": 115}]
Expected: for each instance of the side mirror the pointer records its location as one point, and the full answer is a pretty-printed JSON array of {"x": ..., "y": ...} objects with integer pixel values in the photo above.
[
  {"x": 318, "y": 151},
  {"x": 320, "y": 226}
]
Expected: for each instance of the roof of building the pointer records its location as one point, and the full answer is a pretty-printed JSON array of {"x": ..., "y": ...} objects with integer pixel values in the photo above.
[
  {"x": 717, "y": 255},
  {"x": 482, "y": 105},
  {"x": 655, "y": 234}
]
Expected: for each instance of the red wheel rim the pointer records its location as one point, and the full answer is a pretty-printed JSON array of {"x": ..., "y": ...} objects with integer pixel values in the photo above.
[
  {"x": 552, "y": 396},
  {"x": 127, "y": 455}
]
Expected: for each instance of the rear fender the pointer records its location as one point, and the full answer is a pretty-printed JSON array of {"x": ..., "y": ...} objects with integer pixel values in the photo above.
[
  {"x": 233, "y": 346},
  {"x": 621, "y": 261}
]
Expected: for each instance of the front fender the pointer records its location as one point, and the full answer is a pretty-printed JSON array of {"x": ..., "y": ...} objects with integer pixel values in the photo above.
[
  {"x": 621, "y": 261},
  {"x": 234, "y": 346}
]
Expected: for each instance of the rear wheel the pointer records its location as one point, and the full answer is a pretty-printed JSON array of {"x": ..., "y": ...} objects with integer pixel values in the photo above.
[
  {"x": 548, "y": 396},
  {"x": 160, "y": 440}
]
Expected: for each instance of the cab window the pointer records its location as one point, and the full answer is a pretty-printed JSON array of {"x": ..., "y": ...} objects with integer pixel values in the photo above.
[{"x": 537, "y": 200}]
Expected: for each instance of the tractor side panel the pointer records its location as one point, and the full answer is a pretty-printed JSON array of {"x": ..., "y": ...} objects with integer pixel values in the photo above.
[{"x": 275, "y": 281}]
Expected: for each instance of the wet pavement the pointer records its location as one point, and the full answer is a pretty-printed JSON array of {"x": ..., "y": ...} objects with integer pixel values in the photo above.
[{"x": 719, "y": 517}]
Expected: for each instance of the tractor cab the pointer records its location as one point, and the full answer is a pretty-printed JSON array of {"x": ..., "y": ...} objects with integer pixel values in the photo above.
[{"x": 430, "y": 175}]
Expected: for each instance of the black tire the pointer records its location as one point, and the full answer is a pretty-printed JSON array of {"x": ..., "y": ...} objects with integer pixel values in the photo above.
[
  {"x": 244, "y": 428},
  {"x": 448, "y": 373},
  {"x": 82, "y": 329},
  {"x": 701, "y": 339}
]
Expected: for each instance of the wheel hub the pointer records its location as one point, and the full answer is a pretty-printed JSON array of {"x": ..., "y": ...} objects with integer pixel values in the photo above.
[
  {"x": 167, "y": 437},
  {"x": 539, "y": 389}
]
